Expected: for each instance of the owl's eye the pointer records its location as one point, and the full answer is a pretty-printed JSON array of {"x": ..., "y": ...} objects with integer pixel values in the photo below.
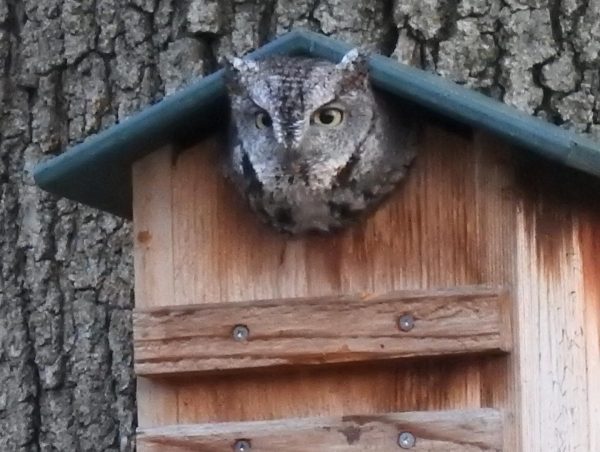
[
  {"x": 263, "y": 120},
  {"x": 329, "y": 117}
]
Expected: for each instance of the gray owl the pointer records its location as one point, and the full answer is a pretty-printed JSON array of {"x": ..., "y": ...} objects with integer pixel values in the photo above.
[{"x": 312, "y": 145}]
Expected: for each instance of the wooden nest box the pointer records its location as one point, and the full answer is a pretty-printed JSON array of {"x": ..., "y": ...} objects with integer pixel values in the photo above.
[{"x": 463, "y": 315}]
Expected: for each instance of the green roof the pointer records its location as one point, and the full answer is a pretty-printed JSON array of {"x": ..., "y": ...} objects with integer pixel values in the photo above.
[{"x": 97, "y": 172}]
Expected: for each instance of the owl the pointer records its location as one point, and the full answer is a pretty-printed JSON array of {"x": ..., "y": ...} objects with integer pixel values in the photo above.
[{"x": 312, "y": 146}]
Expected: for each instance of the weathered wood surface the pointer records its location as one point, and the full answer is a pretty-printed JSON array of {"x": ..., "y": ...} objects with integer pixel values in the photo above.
[
  {"x": 303, "y": 331},
  {"x": 589, "y": 302},
  {"x": 449, "y": 431},
  {"x": 468, "y": 214},
  {"x": 558, "y": 313},
  {"x": 152, "y": 263},
  {"x": 451, "y": 224}
]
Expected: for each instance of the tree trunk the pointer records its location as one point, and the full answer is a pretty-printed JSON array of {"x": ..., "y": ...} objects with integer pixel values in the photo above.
[{"x": 73, "y": 67}]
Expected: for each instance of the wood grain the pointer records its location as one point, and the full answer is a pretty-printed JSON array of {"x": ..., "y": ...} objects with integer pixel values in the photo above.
[
  {"x": 590, "y": 245},
  {"x": 557, "y": 280},
  {"x": 448, "y": 431},
  {"x": 589, "y": 224},
  {"x": 450, "y": 224},
  {"x": 304, "y": 331},
  {"x": 153, "y": 259},
  {"x": 153, "y": 229},
  {"x": 468, "y": 214},
  {"x": 492, "y": 198}
]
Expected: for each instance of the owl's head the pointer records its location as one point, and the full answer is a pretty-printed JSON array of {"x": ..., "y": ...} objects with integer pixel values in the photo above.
[{"x": 296, "y": 112}]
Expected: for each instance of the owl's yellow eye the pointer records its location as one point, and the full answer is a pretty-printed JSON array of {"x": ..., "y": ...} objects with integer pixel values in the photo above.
[
  {"x": 328, "y": 117},
  {"x": 263, "y": 120}
]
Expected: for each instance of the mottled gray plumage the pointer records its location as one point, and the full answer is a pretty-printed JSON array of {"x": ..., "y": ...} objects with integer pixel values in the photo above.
[{"x": 312, "y": 146}]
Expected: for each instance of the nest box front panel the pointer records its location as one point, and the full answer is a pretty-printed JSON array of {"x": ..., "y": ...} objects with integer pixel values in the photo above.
[
  {"x": 196, "y": 241},
  {"x": 447, "y": 225}
]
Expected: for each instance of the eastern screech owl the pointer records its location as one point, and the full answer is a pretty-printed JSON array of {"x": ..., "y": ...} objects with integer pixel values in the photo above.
[{"x": 312, "y": 146}]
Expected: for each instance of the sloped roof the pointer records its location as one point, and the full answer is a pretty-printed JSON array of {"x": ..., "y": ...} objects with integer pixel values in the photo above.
[{"x": 97, "y": 172}]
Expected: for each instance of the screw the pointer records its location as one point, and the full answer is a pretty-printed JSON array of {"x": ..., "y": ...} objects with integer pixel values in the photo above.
[
  {"x": 406, "y": 322},
  {"x": 240, "y": 333},
  {"x": 242, "y": 445},
  {"x": 406, "y": 440}
]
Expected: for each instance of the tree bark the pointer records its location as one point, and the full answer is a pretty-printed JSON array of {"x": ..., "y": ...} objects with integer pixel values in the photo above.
[{"x": 73, "y": 67}]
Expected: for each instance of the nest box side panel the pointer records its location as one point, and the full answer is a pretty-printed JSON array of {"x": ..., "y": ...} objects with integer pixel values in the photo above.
[
  {"x": 448, "y": 225},
  {"x": 590, "y": 246},
  {"x": 558, "y": 310}
]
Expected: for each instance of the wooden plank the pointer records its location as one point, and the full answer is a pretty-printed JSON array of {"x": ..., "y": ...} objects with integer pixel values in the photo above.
[
  {"x": 450, "y": 224},
  {"x": 557, "y": 316},
  {"x": 590, "y": 248},
  {"x": 448, "y": 431},
  {"x": 492, "y": 172},
  {"x": 186, "y": 237},
  {"x": 303, "y": 331},
  {"x": 154, "y": 267},
  {"x": 152, "y": 229}
]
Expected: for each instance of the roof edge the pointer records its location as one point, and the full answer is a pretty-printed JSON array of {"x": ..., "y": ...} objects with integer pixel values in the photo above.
[
  {"x": 468, "y": 106},
  {"x": 136, "y": 136},
  {"x": 97, "y": 171}
]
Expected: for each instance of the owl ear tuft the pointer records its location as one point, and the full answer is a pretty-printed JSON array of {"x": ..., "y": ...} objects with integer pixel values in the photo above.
[
  {"x": 237, "y": 71},
  {"x": 354, "y": 67}
]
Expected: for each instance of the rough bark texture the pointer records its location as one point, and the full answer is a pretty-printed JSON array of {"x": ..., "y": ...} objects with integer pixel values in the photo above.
[{"x": 73, "y": 67}]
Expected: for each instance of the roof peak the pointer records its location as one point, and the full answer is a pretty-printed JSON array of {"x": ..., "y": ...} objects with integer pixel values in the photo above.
[{"x": 97, "y": 172}]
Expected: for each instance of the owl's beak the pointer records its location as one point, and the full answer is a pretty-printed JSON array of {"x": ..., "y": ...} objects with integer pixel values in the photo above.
[
  {"x": 289, "y": 136},
  {"x": 290, "y": 158}
]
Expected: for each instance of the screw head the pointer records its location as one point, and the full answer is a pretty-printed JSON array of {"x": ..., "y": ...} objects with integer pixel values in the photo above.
[
  {"x": 242, "y": 445},
  {"x": 406, "y": 322},
  {"x": 240, "y": 333},
  {"x": 406, "y": 440}
]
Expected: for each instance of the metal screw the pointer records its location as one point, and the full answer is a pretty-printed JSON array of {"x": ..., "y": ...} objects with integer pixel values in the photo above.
[
  {"x": 240, "y": 333},
  {"x": 242, "y": 445},
  {"x": 406, "y": 440},
  {"x": 406, "y": 322}
]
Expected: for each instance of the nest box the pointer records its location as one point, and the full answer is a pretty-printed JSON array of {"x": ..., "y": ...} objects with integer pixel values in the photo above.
[{"x": 463, "y": 315}]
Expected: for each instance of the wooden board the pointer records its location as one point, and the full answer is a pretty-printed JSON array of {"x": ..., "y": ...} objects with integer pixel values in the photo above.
[
  {"x": 558, "y": 277},
  {"x": 450, "y": 431},
  {"x": 466, "y": 215},
  {"x": 469, "y": 213},
  {"x": 589, "y": 239},
  {"x": 302, "y": 331},
  {"x": 152, "y": 262},
  {"x": 451, "y": 224}
]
